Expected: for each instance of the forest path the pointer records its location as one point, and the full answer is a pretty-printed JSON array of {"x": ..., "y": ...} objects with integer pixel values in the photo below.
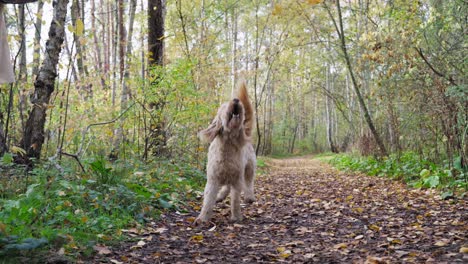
[{"x": 307, "y": 212}]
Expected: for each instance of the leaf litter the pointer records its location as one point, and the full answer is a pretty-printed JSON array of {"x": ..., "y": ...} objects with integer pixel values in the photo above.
[{"x": 308, "y": 212}]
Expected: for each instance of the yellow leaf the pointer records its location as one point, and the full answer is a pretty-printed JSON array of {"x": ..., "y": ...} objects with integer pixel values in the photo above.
[
  {"x": 359, "y": 210},
  {"x": 349, "y": 197},
  {"x": 464, "y": 250},
  {"x": 340, "y": 246},
  {"x": 197, "y": 238},
  {"x": 18, "y": 150},
  {"x": 393, "y": 240},
  {"x": 314, "y": 2},
  {"x": 280, "y": 249},
  {"x": 277, "y": 9},
  {"x": 84, "y": 219},
  {"x": 71, "y": 28},
  {"x": 374, "y": 228},
  {"x": 79, "y": 27}
]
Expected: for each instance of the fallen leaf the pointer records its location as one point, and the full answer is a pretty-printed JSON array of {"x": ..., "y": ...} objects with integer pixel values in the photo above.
[
  {"x": 359, "y": 237},
  {"x": 464, "y": 250},
  {"x": 283, "y": 252},
  {"x": 160, "y": 230},
  {"x": 140, "y": 244},
  {"x": 359, "y": 210},
  {"x": 394, "y": 240},
  {"x": 102, "y": 250},
  {"x": 340, "y": 246},
  {"x": 375, "y": 260},
  {"x": 197, "y": 238},
  {"x": 441, "y": 243},
  {"x": 201, "y": 260}
]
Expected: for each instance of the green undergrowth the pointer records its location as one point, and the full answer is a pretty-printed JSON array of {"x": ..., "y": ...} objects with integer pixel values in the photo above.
[
  {"x": 410, "y": 168},
  {"x": 55, "y": 208}
]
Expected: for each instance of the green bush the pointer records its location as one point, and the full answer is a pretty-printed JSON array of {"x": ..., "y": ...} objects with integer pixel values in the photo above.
[
  {"x": 410, "y": 168},
  {"x": 79, "y": 209}
]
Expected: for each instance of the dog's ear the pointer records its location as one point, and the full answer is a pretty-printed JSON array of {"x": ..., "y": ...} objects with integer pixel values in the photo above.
[{"x": 209, "y": 134}]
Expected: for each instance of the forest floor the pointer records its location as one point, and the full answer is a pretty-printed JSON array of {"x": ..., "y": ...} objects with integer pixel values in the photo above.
[{"x": 308, "y": 212}]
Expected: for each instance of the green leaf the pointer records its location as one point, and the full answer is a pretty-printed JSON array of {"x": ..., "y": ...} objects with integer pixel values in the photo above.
[
  {"x": 7, "y": 159},
  {"x": 432, "y": 181},
  {"x": 31, "y": 189},
  {"x": 424, "y": 173},
  {"x": 446, "y": 195},
  {"x": 458, "y": 164},
  {"x": 79, "y": 27},
  {"x": 164, "y": 204},
  {"x": 71, "y": 28}
]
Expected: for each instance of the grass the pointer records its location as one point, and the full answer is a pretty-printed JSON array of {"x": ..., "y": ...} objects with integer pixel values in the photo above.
[
  {"x": 410, "y": 168},
  {"x": 61, "y": 208}
]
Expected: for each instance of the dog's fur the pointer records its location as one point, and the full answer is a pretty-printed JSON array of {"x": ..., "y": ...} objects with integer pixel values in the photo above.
[{"x": 231, "y": 156}]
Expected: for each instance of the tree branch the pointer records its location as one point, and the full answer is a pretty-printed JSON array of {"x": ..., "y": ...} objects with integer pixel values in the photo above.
[{"x": 438, "y": 73}]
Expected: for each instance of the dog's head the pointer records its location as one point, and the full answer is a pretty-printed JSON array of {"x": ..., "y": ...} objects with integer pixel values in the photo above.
[{"x": 228, "y": 121}]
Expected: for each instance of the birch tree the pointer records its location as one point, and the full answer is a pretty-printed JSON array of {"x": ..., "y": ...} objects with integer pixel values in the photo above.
[{"x": 44, "y": 86}]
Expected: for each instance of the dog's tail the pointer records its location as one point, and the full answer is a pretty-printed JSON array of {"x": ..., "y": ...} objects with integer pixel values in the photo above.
[{"x": 249, "y": 121}]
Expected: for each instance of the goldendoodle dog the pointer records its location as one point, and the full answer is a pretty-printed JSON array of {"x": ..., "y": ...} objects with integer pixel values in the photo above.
[{"x": 231, "y": 156}]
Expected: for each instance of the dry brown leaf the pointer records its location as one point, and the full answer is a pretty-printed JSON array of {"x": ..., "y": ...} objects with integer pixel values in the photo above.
[{"x": 102, "y": 250}]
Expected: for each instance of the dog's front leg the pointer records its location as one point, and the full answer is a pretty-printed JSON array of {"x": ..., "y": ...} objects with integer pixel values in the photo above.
[
  {"x": 209, "y": 200},
  {"x": 235, "y": 203},
  {"x": 223, "y": 193}
]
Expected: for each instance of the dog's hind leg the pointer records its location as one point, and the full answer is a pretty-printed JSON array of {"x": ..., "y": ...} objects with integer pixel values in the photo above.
[
  {"x": 249, "y": 196},
  {"x": 223, "y": 193},
  {"x": 209, "y": 200},
  {"x": 235, "y": 203}
]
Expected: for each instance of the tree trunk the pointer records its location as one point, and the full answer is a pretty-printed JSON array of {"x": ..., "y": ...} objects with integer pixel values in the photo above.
[
  {"x": 33, "y": 137},
  {"x": 328, "y": 107},
  {"x": 113, "y": 21},
  {"x": 76, "y": 16},
  {"x": 125, "y": 89},
  {"x": 125, "y": 95},
  {"x": 156, "y": 31},
  {"x": 122, "y": 39},
  {"x": 97, "y": 47},
  {"x": 256, "y": 66},
  {"x": 37, "y": 37},
  {"x": 234, "y": 51},
  {"x": 340, "y": 30},
  {"x": 156, "y": 138},
  {"x": 23, "y": 73}
]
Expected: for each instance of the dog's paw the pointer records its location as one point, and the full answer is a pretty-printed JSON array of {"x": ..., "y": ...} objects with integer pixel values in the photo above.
[
  {"x": 250, "y": 200},
  {"x": 236, "y": 218},
  {"x": 200, "y": 221}
]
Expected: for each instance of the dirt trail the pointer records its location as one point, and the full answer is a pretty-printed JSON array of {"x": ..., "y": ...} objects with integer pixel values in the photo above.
[{"x": 308, "y": 212}]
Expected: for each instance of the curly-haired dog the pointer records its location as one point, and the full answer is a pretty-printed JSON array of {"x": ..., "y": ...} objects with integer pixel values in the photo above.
[{"x": 231, "y": 156}]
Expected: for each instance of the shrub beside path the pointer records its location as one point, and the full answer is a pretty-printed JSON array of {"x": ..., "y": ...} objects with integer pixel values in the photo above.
[{"x": 308, "y": 212}]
